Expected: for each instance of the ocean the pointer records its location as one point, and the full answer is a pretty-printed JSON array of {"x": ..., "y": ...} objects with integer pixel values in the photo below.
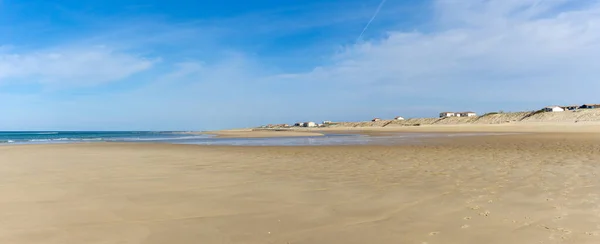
[
  {"x": 51, "y": 137},
  {"x": 172, "y": 137},
  {"x": 58, "y": 137}
]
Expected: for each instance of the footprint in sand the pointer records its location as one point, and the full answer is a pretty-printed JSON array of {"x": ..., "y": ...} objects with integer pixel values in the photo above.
[
  {"x": 486, "y": 213},
  {"x": 465, "y": 226},
  {"x": 475, "y": 207},
  {"x": 566, "y": 231},
  {"x": 433, "y": 233},
  {"x": 467, "y": 218}
]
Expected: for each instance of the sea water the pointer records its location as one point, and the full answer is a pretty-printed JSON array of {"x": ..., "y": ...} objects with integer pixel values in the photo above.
[
  {"x": 52, "y": 137},
  {"x": 56, "y": 137}
]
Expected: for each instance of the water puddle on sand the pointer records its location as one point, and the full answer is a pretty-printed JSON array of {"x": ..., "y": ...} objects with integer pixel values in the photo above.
[{"x": 330, "y": 139}]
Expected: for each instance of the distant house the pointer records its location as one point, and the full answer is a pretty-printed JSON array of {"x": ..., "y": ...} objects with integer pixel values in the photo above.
[
  {"x": 570, "y": 107},
  {"x": 447, "y": 114},
  {"x": 376, "y": 119},
  {"x": 326, "y": 122},
  {"x": 553, "y": 109},
  {"x": 310, "y": 124},
  {"x": 466, "y": 114},
  {"x": 589, "y": 106},
  {"x": 299, "y": 124},
  {"x": 398, "y": 118}
]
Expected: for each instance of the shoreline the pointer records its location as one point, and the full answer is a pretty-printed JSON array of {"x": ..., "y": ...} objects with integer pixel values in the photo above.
[{"x": 325, "y": 136}]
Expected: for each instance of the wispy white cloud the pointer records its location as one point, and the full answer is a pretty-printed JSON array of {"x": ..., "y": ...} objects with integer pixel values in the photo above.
[
  {"x": 486, "y": 13},
  {"x": 496, "y": 50},
  {"x": 70, "y": 66}
]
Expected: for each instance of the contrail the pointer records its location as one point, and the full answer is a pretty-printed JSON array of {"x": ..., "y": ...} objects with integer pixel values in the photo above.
[{"x": 371, "y": 20}]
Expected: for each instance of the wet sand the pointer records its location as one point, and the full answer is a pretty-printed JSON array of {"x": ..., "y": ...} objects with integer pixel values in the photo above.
[
  {"x": 534, "y": 188},
  {"x": 256, "y": 133},
  {"x": 537, "y": 127}
]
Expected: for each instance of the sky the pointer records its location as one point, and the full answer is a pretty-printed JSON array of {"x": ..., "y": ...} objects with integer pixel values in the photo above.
[{"x": 206, "y": 65}]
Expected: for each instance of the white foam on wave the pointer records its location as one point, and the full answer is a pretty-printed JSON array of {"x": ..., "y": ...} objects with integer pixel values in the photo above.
[
  {"x": 65, "y": 139},
  {"x": 39, "y": 140},
  {"x": 160, "y": 138}
]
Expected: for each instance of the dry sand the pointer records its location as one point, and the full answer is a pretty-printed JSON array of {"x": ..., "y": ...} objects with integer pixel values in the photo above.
[
  {"x": 541, "y": 188},
  {"x": 254, "y": 133}
]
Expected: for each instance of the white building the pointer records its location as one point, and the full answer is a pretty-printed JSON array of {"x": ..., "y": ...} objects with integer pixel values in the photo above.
[
  {"x": 376, "y": 119},
  {"x": 466, "y": 114},
  {"x": 398, "y": 118},
  {"x": 310, "y": 124},
  {"x": 553, "y": 109},
  {"x": 447, "y": 114},
  {"x": 326, "y": 122}
]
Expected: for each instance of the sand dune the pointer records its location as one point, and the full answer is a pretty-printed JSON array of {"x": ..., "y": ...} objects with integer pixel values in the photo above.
[
  {"x": 531, "y": 118},
  {"x": 534, "y": 188}
]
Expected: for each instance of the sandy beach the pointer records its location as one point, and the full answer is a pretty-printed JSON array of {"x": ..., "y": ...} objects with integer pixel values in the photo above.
[{"x": 529, "y": 188}]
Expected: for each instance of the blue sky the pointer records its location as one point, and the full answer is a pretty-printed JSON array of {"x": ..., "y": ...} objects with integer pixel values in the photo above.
[{"x": 201, "y": 65}]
